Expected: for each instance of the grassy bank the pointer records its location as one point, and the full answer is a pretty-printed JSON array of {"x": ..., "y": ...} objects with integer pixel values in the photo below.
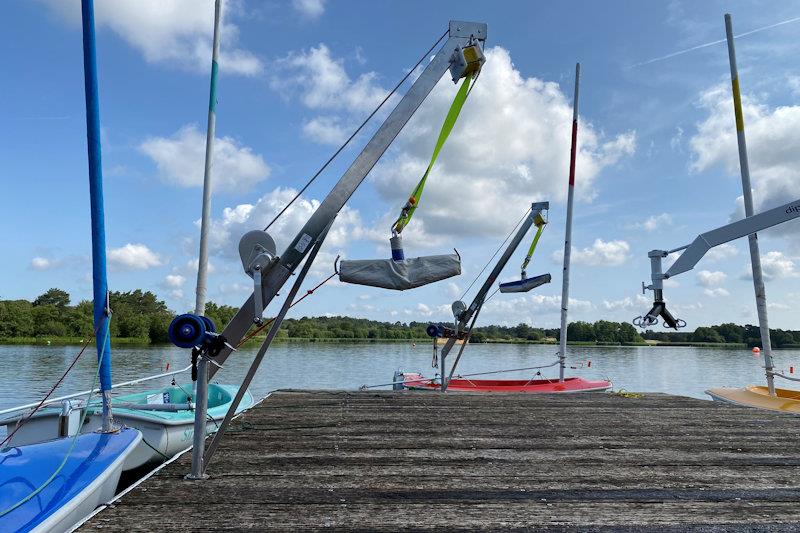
[{"x": 69, "y": 341}]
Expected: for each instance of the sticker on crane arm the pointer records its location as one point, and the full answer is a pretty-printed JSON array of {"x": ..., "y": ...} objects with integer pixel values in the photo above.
[{"x": 303, "y": 243}]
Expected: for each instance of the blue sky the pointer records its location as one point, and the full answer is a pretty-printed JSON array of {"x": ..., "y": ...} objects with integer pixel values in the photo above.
[{"x": 657, "y": 161}]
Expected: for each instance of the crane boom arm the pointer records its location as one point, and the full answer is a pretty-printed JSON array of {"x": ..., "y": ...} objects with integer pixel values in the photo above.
[
  {"x": 274, "y": 274},
  {"x": 694, "y": 252},
  {"x": 735, "y": 230}
]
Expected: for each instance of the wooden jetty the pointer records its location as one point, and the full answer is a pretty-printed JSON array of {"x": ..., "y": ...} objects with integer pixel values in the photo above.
[{"x": 422, "y": 460}]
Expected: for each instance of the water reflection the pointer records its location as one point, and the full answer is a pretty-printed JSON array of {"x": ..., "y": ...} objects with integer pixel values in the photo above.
[{"x": 30, "y": 371}]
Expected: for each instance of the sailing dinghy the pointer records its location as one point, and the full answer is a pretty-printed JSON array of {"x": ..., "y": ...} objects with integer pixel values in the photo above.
[
  {"x": 166, "y": 416},
  {"x": 52, "y": 485},
  {"x": 87, "y": 479},
  {"x": 414, "y": 381}
]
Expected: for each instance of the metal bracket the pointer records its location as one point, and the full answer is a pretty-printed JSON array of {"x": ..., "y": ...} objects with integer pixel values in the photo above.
[
  {"x": 465, "y": 30},
  {"x": 258, "y": 253}
]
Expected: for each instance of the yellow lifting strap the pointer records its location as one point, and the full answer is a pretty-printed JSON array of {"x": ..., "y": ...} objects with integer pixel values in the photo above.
[
  {"x": 540, "y": 222},
  {"x": 452, "y": 115}
]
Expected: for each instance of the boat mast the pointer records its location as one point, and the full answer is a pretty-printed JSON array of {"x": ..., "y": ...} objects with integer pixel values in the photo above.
[
  {"x": 202, "y": 265},
  {"x": 102, "y": 311},
  {"x": 201, "y": 385},
  {"x": 562, "y": 349},
  {"x": 747, "y": 193}
]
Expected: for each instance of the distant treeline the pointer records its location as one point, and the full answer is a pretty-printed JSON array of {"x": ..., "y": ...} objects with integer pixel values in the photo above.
[
  {"x": 135, "y": 315},
  {"x": 728, "y": 333},
  {"x": 141, "y": 315}
]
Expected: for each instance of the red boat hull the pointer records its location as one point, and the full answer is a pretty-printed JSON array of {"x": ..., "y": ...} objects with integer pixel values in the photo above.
[{"x": 536, "y": 386}]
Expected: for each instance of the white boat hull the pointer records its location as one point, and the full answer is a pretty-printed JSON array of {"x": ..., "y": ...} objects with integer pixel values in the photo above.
[{"x": 159, "y": 441}]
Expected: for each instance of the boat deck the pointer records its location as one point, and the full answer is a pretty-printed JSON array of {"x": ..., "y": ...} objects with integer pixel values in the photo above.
[{"x": 422, "y": 460}]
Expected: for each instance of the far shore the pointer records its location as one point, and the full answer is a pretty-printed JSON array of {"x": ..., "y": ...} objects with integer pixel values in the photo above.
[{"x": 127, "y": 341}]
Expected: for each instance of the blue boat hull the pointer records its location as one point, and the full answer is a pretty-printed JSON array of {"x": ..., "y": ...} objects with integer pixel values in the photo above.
[{"x": 88, "y": 479}]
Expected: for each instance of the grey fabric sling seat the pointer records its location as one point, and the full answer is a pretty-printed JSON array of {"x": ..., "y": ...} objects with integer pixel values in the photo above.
[{"x": 400, "y": 275}]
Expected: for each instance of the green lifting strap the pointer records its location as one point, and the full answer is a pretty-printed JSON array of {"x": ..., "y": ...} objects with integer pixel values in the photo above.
[
  {"x": 449, "y": 121},
  {"x": 540, "y": 224}
]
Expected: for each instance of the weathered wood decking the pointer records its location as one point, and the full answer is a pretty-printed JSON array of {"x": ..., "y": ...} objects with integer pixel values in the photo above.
[{"x": 389, "y": 461}]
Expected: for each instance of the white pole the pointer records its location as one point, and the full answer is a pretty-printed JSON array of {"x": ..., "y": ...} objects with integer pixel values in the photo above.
[
  {"x": 747, "y": 193},
  {"x": 562, "y": 349},
  {"x": 201, "y": 385},
  {"x": 202, "y": 265}
]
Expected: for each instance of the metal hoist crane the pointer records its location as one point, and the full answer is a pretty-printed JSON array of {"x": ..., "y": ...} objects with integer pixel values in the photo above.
[
  {"x": 694, "y": 252},
  {"x": 462, "y": 56}
]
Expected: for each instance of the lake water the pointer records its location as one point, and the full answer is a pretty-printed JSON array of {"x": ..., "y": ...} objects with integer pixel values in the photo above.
[{"x": 29, "y": 371}]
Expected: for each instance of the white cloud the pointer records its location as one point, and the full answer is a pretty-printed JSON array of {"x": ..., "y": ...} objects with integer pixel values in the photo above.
[
  {"x": 626, "y": 304},
  {"x": 325, "y": 130},
  {"x": 43, "y": 263},
  {"x": 322, "y": 82},
  {"x": 528, "y": 309},
  {"x": 181, "y": 159},
  {"x": 655, "y": 222},
  {"x": 176, "y": 294},
  {"x": 236, "y": 221},
  {"x": 175, "y": 31},
  {"x": 133, "y": 257},
  {"x": 716, "y": 292},
  {"x": 309, "y": 8},
  {"x": 452, "y": 290},
  {"x": 513, "y": 135},
  {"x": 723, "y": 251},
  {"x": 174, "y": 280},
  {"x": 774, "y": 265},
  {"x": 773, "y": 143},
  {"x": 600, "y": 253},
  {"x": 424, "y": 310},
  {"x": 706, "y": 278}
]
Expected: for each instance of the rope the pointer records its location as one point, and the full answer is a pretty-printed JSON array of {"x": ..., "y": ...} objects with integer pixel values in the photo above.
[
  {"x": 502, "y": 244},
  {"x": 343, "y": 146},
  {"x": 263, "y": 326},
  {"x": 72, "y": 444},
  {"x": 622, "y": 393},
  {"x": 490, "y": 296},
  {"x": 159, "y": 452},
  {"x": 25, "y": 419}
]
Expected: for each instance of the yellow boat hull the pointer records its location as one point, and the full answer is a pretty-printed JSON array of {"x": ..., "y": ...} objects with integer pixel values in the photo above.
[{"x": 757, "y": 396}]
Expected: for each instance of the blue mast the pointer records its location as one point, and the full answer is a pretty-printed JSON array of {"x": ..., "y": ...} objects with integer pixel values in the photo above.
[{"x": 99, "y": 281}]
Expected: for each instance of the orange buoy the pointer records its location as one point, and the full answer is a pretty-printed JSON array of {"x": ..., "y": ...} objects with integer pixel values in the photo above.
[
  {"x": 791, "y": 370},
  {"x": 756, "y": 349}
]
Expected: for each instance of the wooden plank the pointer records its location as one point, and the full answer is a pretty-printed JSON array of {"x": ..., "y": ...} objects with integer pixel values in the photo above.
[{"x": 426, "y": 461}]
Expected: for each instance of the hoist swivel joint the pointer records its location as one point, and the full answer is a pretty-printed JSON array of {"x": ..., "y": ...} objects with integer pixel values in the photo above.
[
  {"x": 467, "y": 60},
  {"x": 659, "y": 308}
]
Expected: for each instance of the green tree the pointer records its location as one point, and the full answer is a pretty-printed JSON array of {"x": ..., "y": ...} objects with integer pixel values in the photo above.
[
  {"x": 16, "y": 318},
  {"x": 703, "y": 334},
  {"x": 580, "y": 331},
  {"x": 730, "y": 332},
  {"x": 605, "y": 331},
  {"x": 627, "y": 333},
  {"x": 55, "y": 297}
]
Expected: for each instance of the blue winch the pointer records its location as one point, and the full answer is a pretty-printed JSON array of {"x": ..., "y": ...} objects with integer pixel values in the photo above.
[{"x": 189, "y": 331}]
